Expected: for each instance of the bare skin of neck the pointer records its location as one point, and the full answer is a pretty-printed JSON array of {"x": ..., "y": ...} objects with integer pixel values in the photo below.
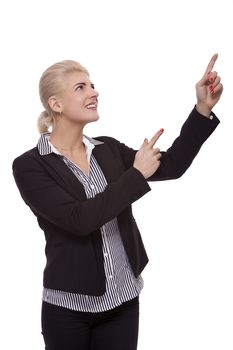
[{"x": 69, "y": 142}]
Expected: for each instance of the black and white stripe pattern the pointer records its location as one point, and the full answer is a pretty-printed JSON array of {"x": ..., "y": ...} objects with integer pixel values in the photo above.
[{"x": 121, "y": 284}]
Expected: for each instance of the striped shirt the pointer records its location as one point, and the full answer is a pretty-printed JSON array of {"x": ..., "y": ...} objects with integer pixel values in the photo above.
[{"x": 121, "y": 284}]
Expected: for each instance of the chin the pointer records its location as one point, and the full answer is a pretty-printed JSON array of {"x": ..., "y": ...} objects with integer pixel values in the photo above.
[
  {"x": 92, "y": 119},
  {"x": 96, "y": 117}
]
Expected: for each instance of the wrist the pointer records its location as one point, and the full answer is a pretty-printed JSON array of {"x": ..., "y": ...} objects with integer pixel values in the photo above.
[{"x": 203, "y": 109}]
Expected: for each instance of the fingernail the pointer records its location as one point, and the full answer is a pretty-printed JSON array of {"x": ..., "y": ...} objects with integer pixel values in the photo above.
[
  {"x": 211, "y": 79},
  {"x": 161, "y": 130},
  {"x": 211, "y": 87},
  {"x": 212, "y": 91}
]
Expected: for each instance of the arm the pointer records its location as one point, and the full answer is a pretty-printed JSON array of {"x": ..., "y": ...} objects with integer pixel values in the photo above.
[
  {"x": 197, "y": 128},
  {"x": 47, "y": 199},
  {"x": 177, "y": 159}
]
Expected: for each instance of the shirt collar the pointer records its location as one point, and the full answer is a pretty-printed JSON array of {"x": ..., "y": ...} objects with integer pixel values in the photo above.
[{"x": 45, "y": 147}]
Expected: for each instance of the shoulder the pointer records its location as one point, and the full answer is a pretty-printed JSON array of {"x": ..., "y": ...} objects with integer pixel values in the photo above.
[
  {"x": 27, "y": 157},
  {"x": 117, "y": 147},
  {"x": 109, "y": 142},
  {"x": 106, "y": 139}
]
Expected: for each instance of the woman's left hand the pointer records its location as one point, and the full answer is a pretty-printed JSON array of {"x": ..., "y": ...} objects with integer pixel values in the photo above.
[{"x": 209, "y": 89}]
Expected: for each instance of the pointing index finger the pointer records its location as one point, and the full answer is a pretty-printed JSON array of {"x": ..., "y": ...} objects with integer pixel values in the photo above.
[
  {"x": 211, "y": 64},
  {"x": 155, "y": 138}
]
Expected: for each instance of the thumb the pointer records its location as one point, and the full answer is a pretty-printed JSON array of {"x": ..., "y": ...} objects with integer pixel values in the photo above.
[{"x": 145, "y": 142}]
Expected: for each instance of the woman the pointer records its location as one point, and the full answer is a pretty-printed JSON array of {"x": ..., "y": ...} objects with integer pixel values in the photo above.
[{"x": 81, "y": 190}]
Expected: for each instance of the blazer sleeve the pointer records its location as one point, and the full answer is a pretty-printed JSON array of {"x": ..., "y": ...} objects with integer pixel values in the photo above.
[
  {"x": 48, "y": 200},
  {"x": 177, "y": 159}
]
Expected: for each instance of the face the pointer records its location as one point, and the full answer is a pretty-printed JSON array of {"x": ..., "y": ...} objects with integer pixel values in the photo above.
[{"x": 79, "y": 101}]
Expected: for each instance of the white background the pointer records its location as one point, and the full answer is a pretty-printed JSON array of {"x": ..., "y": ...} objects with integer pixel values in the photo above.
[{"x": 144, "y": 58}]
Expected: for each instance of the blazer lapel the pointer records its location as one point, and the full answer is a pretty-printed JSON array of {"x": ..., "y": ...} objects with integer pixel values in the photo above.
[
  {"x": 66, "y": 178},
  {"x": 107, "y": 162}
]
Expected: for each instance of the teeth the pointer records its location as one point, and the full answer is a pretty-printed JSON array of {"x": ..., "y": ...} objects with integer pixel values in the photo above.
[{"x": 93, "y": 105}]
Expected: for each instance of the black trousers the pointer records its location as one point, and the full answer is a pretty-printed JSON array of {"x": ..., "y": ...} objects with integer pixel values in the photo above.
[{"x": 116, "y": 329}]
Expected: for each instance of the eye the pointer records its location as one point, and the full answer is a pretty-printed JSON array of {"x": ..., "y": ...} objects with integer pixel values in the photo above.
[{"x": 79, "y": 87}]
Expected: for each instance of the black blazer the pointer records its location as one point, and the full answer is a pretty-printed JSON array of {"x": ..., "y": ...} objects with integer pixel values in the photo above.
[{"x": 71, "y": 222}]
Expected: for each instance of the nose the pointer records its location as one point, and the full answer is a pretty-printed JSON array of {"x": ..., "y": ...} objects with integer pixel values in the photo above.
[{"x": 94, "y": 93}]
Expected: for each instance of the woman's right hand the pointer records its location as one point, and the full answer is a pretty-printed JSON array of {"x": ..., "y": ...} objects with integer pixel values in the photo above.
[{"x": 147, "y": 159}]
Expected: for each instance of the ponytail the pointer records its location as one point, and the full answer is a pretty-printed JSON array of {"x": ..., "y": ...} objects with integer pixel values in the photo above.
[{"x": 45, "y": 120}]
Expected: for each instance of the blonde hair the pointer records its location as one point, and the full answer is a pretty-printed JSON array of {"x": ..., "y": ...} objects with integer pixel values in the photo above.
[{"x": 52, "y": 82}]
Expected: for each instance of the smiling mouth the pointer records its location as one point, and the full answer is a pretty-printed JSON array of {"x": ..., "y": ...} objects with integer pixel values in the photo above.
[{"x": 92, "y": 106}]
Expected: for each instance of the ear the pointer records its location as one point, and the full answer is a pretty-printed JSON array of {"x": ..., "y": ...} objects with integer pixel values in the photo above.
[{"x": 55, "y": 104}]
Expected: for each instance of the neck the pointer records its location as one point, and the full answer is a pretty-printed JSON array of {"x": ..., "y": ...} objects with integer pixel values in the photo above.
[{"x": 67, "y": 139}]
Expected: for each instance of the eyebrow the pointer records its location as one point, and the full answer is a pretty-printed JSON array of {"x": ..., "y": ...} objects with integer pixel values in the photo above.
[{"x": 83, "y": 84}]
